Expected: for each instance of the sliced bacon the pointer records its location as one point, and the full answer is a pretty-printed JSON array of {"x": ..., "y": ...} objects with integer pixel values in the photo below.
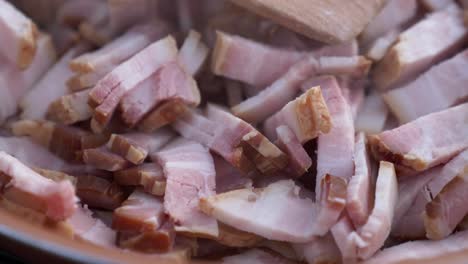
[
  {"x": 448, "y": 208},
  {"x": 406, "y": 60},
  {"x": 360, "y": 186},
  {"x": 19, "y": 36},
  {"x": 166, "y": 113},
  {"x": 22, "y": 185},
  {"x": 375, "y": 231},
  {"x": 152, "y": 241},
  {"x": 443, "y": 86},
  {"x": 307, "y": 116},
  {"x": 190, "y": 173},
  {"x": 373, "y": 114},
  {"x": 193, "y": 53},
  {"x": 87, "y": 228},
  {"x": 135, "y": 146},
  {"x": 299, "y": 161},
  {"x": 108, "y": 91},
  {"x": 424, "y": 142},
  {"x": 70, "y": 108},
  {"x": 251, "y": 210},
  {"x": 321, "y": 250},
  {"x": 150, "y": 176},
  {"x": 169, "y": 82},
  {"x": 450, "y": 250},
  {"x": 98, "y": 192},
  {"x": 104, "y": 159}
]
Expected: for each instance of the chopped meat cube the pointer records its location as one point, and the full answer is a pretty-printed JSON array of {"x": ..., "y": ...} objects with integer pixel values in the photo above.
[
  {"x": 169, "y": 82},
  {"x": 448, "y": 208},
  {"x": 395, "y": 14},
  {"x": 190, "y": 173},
  {"x": 49, "y": 88},
  {"x": 375, "y": 231},
  {"x": 70, "y": 108},
  {"x": 256, "y": 256},
  {"x": 108, "y": 92},
  {"x": 19, "y": 36},
  {"x": 321, "y": 250},
  {"x": 251, "y": 210},
  {"x": 429, "y": 252},
  {"x": 87, "y": 228},
  {"x": 140, "y": 212},
  {"x": 373, "y": 114},
  {"x": 406, "y": 59},
  {"x": 425, "y": 142},
  {"x": 135, "y": 147},
  {"x": 22, "y": 185},
  {"x": 307, "y": 116},
  {"x": 360, "y": 186},
  {"x": 441, "y": 87},
  {"x": 104, "y": 159},
  {"x": 98, "y": 192},
  {"x": 147, "y": 175},
  {"x": 193, "y": 53},
  {"x": 299, "y": 161}
]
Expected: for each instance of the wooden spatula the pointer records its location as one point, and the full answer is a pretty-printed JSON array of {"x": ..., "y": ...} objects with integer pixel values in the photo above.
[{"x": 329, "y": 21}]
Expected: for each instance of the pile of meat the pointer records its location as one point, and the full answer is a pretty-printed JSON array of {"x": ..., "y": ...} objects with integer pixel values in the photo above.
[{"x": 199, "y": 130}]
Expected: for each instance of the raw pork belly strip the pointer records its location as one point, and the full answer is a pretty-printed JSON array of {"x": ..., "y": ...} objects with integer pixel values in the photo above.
[
  {"x": 372, "y": 235},
  {"x": 149, "y": 176},
  {"x": 441, "y": 87},
  {"x": 16, "y": 82},
  {"x": 135, "y": 147},
  {"x": 70, "y": 108},
  {"x": 284, "y": 89},
  {"x": 450, "y": 250},
  {"x": 169, "y": 82},
  {"x": 380, "y": 47},
  {"x": 22, "y": 185},
  {"x": 360, "y": 186},
  {"x": 19, "y": 36},
  {"x": 49, "y": 88},
  {"x": 166, "y": 113},
  {"x": 261, "y": 211},
  {"x": 90, "y": 229},
  {"x": 307, "y": 116},
  {"x": 108, "y": 92},
  {"x": 448, "y": 208},
  {"x": 425, "y": 142},
  {"x": 190, "y": 173},
  {"x": 395, "y": 14},
  {"x": 299, "y": 161},
  {"x": 406, "y": 59}
]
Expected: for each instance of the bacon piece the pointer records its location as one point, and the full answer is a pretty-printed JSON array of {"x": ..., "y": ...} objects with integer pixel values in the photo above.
[
  {"x": 321, "y": 250},
  {"x": 229, "y": 178},
  {"x": 251, "y": 211},
  {"x": 135, "y": 147},
  {"x": 299, "y": 161},
  {"x": 232, "y": 237},
  {"x": 108, "y": 91},
  {"x": 170, "y": 82},
  {"x": 375, "y": 231},
  {"x": 167, "y": 113},
  {"x": 439, "y": 93},
  {"x": 380, "y": 46},
  {"x": 98, "y": 192},
  {"x": 447, "y": 209},
  {"x": 70, "y": 108},
  {"x": 121, "y": 49},
  {"x": 49, "y": 88},
  {"x": 79, "y": 82},
  {"x": 103, "y": 159},
  {"x": 450, "y": 250},
  {"x": 190, "y": 174},
  {"x": 56, "y": 176},
  {"x": 406, "y": 59},
  {"x": 193, "y": 53},
  {"x": 306, "y": 116},
  {"x": 64, "y": 141},
  {"x": 256, "y": 256},
  {"x": 395, "y": 14},
  {"x": 22, "y": 185},
  {"x": 153, "y": 241},
  {"x": 424, "y": 142},
  {"x": 343, "y": 233},
  {"x": 19, "y": 36},
  {"x": 360, "y": 186},
  {"x": 147, "y": 175},
  {"x": 372, "y": 115},
  {"x": 87, "y": 228}
]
